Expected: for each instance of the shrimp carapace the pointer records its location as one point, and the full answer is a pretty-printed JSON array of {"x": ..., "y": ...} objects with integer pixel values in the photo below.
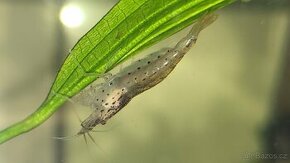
[{"x": 116, "y": 92}]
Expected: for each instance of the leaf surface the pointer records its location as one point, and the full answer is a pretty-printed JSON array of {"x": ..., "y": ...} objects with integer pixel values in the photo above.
[{"x": 130, "y": 26}]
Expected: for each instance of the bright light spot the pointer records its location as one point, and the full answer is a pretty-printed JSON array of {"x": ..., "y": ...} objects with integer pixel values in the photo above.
[{"x": 71, "y": 16}]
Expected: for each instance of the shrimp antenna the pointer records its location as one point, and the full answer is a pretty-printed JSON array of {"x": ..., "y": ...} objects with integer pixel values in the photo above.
[
  {"x": 65, "y": 137},
  {"x": 86, "y": 141},
  {"x": 87, "y": 145},
  {"x": 93, "y": 140}
]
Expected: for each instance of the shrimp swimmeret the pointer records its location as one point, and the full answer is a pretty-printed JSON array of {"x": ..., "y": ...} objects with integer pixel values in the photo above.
[{"x": 109, "y": 98}]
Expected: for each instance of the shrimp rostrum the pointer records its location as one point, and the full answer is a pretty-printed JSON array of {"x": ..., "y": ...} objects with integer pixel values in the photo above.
[{"x": 117, "y": 91}]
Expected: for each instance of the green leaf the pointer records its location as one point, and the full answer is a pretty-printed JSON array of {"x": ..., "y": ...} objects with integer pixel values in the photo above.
[{"x": 130, "y": 26}]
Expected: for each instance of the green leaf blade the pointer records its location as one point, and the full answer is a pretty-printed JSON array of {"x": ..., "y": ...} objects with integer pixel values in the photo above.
[{"x": 129, "y": 27}]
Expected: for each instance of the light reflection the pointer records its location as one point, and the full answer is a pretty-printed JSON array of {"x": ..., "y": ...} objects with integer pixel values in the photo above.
[{"x": 71, "y": 16}]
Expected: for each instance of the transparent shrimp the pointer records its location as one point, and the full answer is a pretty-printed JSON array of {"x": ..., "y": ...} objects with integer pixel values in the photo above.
[{"x": 111, "y": 96}]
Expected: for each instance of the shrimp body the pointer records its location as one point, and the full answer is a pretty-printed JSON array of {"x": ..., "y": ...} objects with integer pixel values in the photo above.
[{"x": 140, "y": 76}]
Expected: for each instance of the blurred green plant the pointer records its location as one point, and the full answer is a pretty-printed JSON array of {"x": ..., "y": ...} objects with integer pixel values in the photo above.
[{"x": 130, "y": 26}]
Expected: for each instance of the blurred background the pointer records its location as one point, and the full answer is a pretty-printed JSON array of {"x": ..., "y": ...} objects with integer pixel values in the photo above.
[{"x": 226, "y": 102}]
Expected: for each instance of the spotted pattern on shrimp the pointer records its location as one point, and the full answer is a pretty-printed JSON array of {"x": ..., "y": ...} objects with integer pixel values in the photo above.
[{"x": 119, "y": 89}]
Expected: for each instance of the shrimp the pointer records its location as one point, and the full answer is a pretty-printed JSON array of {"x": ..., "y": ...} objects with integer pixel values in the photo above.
[{"x": 119, "y": 89}]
